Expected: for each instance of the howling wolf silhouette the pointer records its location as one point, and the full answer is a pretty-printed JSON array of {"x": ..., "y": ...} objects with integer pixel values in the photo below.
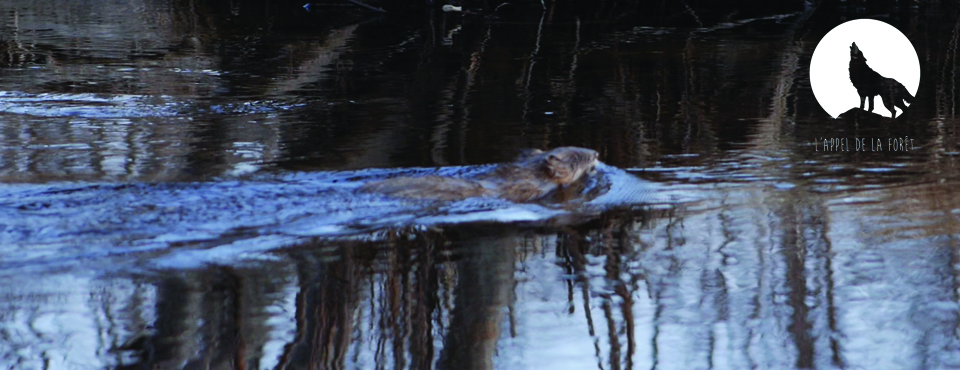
[{"x": 869, "y": 83}]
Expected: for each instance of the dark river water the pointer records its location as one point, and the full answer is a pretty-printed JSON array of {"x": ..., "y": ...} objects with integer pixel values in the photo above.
[{"x": 179, "y": 189}]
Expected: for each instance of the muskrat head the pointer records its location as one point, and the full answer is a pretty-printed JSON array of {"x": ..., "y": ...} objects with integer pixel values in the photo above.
[{"x": 568, "y": 164}]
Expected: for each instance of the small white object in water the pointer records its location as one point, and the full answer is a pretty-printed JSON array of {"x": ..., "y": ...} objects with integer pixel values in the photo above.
[{"x": 451, "y": 8}]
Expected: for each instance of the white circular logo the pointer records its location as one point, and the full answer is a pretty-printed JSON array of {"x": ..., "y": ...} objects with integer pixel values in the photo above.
[{"x": 865, "y": 63}]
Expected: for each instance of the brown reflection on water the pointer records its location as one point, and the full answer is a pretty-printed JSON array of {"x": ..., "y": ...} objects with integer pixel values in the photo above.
[
  {"x": 756, "y": 278},
  {"x": 199, "y": 88},
  {"x": 225, "y": 89},
  {"x": 793, "y": 258}
]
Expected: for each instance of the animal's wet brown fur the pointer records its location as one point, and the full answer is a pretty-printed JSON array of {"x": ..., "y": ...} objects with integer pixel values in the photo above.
[{"x": 533, "y": 176}]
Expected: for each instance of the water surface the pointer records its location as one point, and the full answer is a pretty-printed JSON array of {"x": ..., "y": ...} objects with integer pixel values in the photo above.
[{"x": 179, "y": 190}]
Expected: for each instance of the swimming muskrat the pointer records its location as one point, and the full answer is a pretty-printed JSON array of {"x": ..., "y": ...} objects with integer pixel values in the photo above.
[{"x": 531, "y": 177}]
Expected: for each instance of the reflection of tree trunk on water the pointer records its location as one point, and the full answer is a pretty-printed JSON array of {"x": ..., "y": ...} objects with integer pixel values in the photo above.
[
  {"x": 771, "y": 129},
  {"x": 423, "y": 300},
  {"x": 946, "y": 95},
  {"x": 174, "y": 310},
  {"x": 566, "y": 91},
  {"x": 795, "y": 257},
  {"x": 324, "y": 315},
  {"x": 528, "y": 75},
  {"x": 457, "y": 108},
  {"x": 613, "y": 270},
  {"x": 616, "y": 240},
  {"x": 222, "y": 331},
  {"x": 572, "y": 251},
  {"x": 808, "y": 252},
  {"x": 946, "y": 101},
  {"x": 356, "y": 297},
  {"x": 689, "y": 106},
  {"x": 484, "y": 289},
  {"x": 180, "y": 307}
]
